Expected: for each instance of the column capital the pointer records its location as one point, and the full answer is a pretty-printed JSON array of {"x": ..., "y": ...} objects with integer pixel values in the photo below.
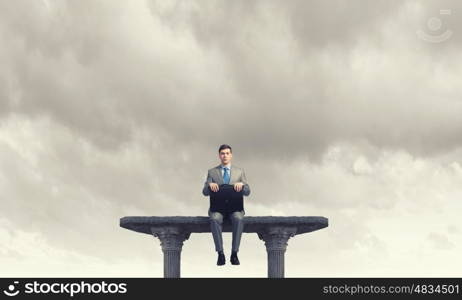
[
  {"x": 171, "y": 237},
  {"x": 276, "y": 237}
]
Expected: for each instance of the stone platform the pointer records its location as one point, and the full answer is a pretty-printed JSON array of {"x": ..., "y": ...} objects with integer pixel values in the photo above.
[{"x": 172, "y": 231}]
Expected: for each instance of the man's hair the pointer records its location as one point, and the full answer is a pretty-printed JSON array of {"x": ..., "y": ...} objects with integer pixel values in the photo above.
[{"x": 224, "y": 146}]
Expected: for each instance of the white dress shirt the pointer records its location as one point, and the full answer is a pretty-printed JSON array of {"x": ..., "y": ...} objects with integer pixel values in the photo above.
[{"x": 223, "y": 170}]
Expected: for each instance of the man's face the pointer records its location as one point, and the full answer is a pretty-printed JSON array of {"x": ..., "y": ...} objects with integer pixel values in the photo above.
[{"x": 225, "y": 156}]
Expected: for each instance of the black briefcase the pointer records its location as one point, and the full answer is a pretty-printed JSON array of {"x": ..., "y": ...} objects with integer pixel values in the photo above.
[{"x": 226, "y": 200}]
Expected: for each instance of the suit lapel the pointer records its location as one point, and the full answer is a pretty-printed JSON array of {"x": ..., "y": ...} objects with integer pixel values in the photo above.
[
  {"x": 220, "y": 177},
  {"x": 232, "y": 179}
]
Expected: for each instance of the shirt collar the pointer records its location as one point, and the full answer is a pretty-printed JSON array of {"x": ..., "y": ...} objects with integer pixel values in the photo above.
[{"x": 223, "y": 166}]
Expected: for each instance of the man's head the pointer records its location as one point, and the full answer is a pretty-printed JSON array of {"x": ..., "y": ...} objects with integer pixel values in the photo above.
[{"x": 225, "y": 153}]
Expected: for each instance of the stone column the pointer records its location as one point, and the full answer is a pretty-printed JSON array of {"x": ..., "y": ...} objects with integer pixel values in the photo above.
[
  {"x": 276, "y": 244},
  {"x": 171, "y": 241}
]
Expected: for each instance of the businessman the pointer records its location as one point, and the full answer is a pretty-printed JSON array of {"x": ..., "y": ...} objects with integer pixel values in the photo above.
[{"x": 226, "y": 174}]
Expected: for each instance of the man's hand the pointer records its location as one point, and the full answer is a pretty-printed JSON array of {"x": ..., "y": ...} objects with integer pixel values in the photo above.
[
  {"x": 238, "y": 186},
  {"x": 213, "y": 186}
]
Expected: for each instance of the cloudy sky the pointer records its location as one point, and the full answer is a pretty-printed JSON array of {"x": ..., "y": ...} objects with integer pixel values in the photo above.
[{"x": 349, "y": 110}]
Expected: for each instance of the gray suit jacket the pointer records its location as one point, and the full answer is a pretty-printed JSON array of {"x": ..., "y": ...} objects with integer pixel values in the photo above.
[{"x": 237, "y": 175}]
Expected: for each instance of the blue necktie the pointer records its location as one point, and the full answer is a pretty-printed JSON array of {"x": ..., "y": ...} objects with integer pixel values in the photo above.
[{"x": 226, "y": 176}]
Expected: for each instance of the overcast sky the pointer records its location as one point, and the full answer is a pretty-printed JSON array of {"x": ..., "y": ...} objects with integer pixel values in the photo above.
[{"x": 349, "y": 110}]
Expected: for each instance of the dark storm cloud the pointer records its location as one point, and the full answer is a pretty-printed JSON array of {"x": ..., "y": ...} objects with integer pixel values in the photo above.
[
  {"x": 293, "y": 64},
  {"x": 286, "y": 71}
]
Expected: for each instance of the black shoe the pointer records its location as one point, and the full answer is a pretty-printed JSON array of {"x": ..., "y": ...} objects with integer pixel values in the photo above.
[
  {"x": 221, "y": 258},
  {"x": 234, "y": 259}
]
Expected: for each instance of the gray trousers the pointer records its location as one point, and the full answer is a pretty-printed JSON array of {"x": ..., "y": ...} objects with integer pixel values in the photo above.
[{"x": 216, "y": 224}]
